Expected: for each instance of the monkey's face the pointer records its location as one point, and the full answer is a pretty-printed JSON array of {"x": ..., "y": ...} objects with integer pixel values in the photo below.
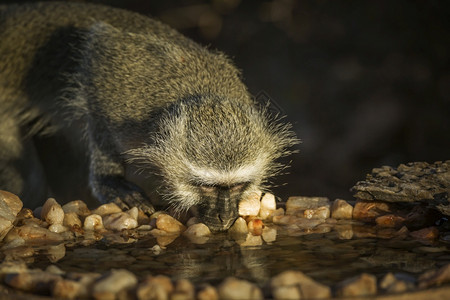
[{"x": 219, "y": 204}]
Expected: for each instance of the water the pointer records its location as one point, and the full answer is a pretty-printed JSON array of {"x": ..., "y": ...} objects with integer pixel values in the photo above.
[{"x": 326, "y": 257}]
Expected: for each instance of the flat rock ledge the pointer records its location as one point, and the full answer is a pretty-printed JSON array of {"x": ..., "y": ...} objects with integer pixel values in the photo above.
[{"x": 408, "y": 183}]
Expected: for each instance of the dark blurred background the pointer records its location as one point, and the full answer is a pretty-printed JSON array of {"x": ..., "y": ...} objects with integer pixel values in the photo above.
[{"x": 364, "y": 83}]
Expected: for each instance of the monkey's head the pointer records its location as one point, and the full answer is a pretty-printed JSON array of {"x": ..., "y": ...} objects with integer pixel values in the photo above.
[{"x": 211, "y": 152}]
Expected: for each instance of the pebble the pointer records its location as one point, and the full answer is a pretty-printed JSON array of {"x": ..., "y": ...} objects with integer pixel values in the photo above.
[
  {"x": 52, "y": 212},
  {"x": 10, "y": 205},
  {"x": 341, "y": 209},
  {"x": 71, "y": 220},
  {"x": 33, "y": 233},
  {"x": 120, "y": 221},
  {"x": 235, "y": 289},
  {"x": 268, "y": 206},
  {"x": 239, "y": 227},
  {"x": 436, "y": 277},
  {"x": 250, "y": 205},
  {"x": 93, "y": 222},
  {"x": 112, "y": 283},
  {"x": 169, "y": 224},
  {"x": 5, "y": 227},
  {"x": 297, "y": 205},
  {"x": 360, "y": 286},
  {"x": 390, "y": 220},
  {"x": 208, "y": 292},
  {"x": 33, "y": 281},
  {"x": 56, "y": 252},
  {"x": 390, "y": 284},
  {"x": 269, "y": 234},
  {"x": 255, "y": 226},
  {"x": 67, "y": 289},
  {"x": 184, "y": 289},
  {"x": 368, "y": 211},
  {"x": 345, "y": 232},
  {"x": 78, "y": 207},
  {"x": 57, "y": 228},
  {"x": 155, "y": 287},
  {"x": 304, "y": 285},
  {"x": 426, "y": 235},
  {"x": 322, "y": 213},
  {"x": 107, "y": 209}
]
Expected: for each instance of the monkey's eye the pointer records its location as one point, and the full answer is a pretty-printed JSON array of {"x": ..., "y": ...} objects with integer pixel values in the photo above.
[
  {"x": 238, "y": 186},
  {"x": 207, "y": 188}
]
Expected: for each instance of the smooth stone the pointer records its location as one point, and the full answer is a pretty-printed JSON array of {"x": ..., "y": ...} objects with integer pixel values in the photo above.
[
  {"x": 250, "y": 205},
  {"x": 235, "y": 289},
  {"x": 239, "y": 227},
  {"x": 208, "y": 292},
  {"x": 298, "y": 204},
  {"x": 33, "y": 281},
  {"x": 269, "y": 234},
  {"x": 119, "y": 221},
  {"x": 57, "y": 228},
  {"x": 268, "y": 206},
  {"x": 10, "y": 205},
  {"x": 52, "y": 212},
  {"x": 154, "y": 287},
  {"x": 93, "y": 222},
  {"x": 251, "y": 240},
  {"x": 113, "y": 282},
  {"x": 71, "y": 219},
  {"x": 33, "y": 233},
  {"x": 322, "y": 213},
  {"x": 341, "y": 209},
  {"x": 255, "y": 226},
  {"x": 390, "y": 284},
  {"x": 435, "y": 277},
  {"x": 169, "y": 224},
  {"x": 184, "y": 289},
  {"x": 107, "y": 209},
  {"x": 67, "y": 289},
  {"x": 359, "y": 286},
  {"x": 307, "y": 287},
  {"x": 78, "y": 207},
  {"x": 368, "y": 211},
  {"x": 5, "y": 227}
]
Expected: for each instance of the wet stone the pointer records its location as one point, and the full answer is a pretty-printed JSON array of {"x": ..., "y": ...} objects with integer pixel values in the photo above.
[
  {"x": 289, "y": 284},
  {"x": 359, "y": 286},
  {"x": 119, "y": 221},
  {"x": 34, "y": 281},
  {"x": 250, "y": 205},
  {"x": 297, "y": 205},
  {"x": 412, "y": 182},
  {"x": 341, "y": 209},
  {"x": 169, "y": 224},
  {"x": 268, "y": 206},
  {"x": 31, "y": 233},
  {"x": 52, "y": 212},
  {"x": 368, "y": 211},
  {"x": 155, "y": 287},
  {"x": 93, "y": 222},
  {"x": 391, "y": 284},
  {"x": 71, "y": 219},
  {"x": 112, "y": 283},
  {"x": 107, "y": 209},
  {"x": 236, "y": 289},
  {"x": 436, "y": 277},
  {"x": 78, "y": 207}
]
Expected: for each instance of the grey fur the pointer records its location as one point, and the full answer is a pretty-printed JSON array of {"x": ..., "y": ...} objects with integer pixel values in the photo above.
[{"x": 136, "y": 96}]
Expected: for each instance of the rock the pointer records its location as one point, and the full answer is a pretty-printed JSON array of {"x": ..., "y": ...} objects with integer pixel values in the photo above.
[
  {"x": 119, "y": 221},
  {"x": 207, "y": 292},
  {"x": 269, "y": 234},
  {"x": 426, "y": 235},
  {"x": 112, "y": 283},
  {"x": 345, "y": 232},
  {"x": 368, "y": 211},
  {"x": 57, "y": 228},
  {"x": 32, "y": 281},
  {"x": 239, "y": 227},
  {"x": 359, "y": 286},
  {"x": 197, "y": 233},
  {"x": 297, "y": 205},
  {"x": 34, "y": 234},
  {"x": 71, "y": 220},
  {"x": 268, "y": 206},
  {"x": 66, "y": 289},
  {"x": 232, "y": 288},
  {"x": 255, "y": 226},
  {"x": 52, "y": 212},
  {"x": 5, "y": 227},
  {"x": 341, "y": 209},
  {"x": 436, "y": 277},
  {"x": 78, "y": 207},
  {"x": 390, "y": 284},
  {"x": 56, "y": 252},
  {"x": 155, "y": 287},
  {"x": 250, "y": 205},
  {"x": 10, "y": 206},
  {"x": 413, "y": 182},
  {"x": 169, "y": 224},
  {"x": 93, "y": 222},
  {"x": 107, "y": 209},
  {"x": 184, "y": 289},
  {"x": 289, "y": 284},
  {"x": 322, "y": 212},
  {"x": 391, "y": 221}
]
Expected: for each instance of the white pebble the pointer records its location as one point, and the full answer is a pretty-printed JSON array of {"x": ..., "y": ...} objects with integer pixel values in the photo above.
[
  {"x": 268, "y": 206},
  {"x": 52, "y": 212},
  {"x": 269, "y": 234},
  {"x": 250, "y": 205},
  {"x": 78, "y": 207},
  {"x": 169, "y": 224},
  {"x": 57, "y": 228},
  {"x": 119, "y": 221},
  {"x": 107, "y": 209},
  {"x": 341, "y": 209},
  {"x": 251, "y": 240},
  {"x": 239, "y": 227},
  {"x": 93, "y": 222},
  {"x": 322, "y": 213}
]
